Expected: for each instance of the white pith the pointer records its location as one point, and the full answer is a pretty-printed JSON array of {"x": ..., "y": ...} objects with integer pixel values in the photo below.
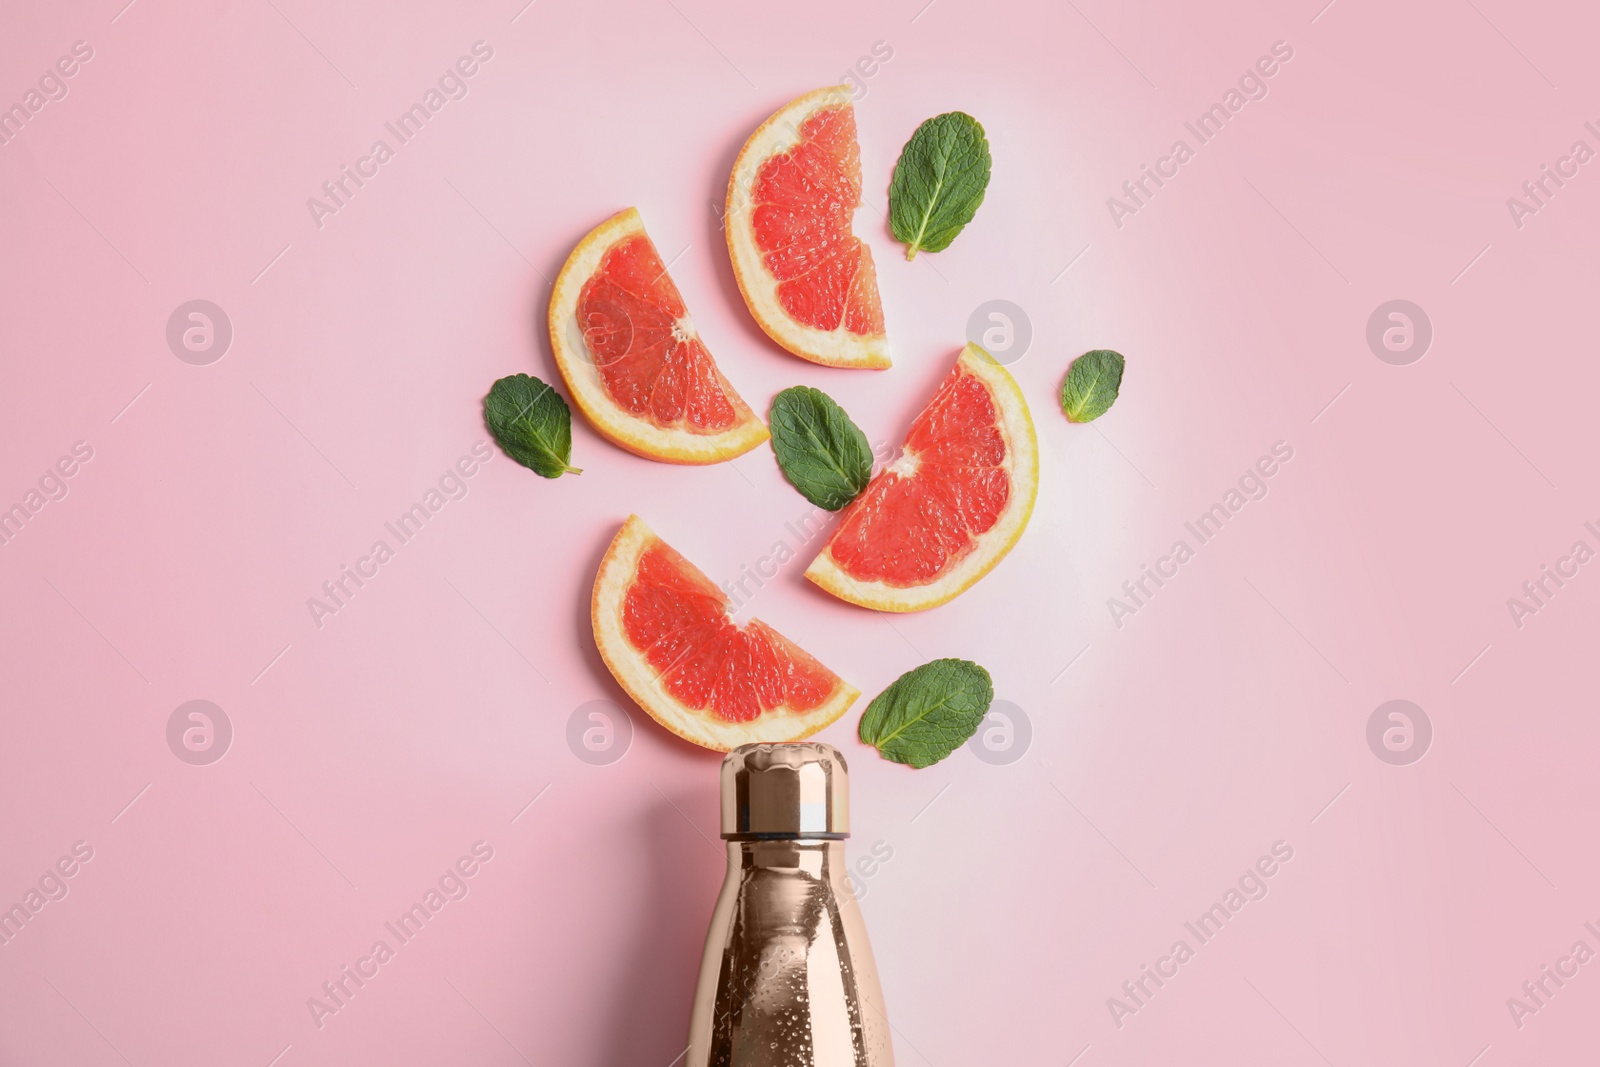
[{"x": 905, "y": 466}]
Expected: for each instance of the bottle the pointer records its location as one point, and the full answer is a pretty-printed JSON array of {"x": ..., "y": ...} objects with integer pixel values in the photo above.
[{"x": 787, "y": 979}]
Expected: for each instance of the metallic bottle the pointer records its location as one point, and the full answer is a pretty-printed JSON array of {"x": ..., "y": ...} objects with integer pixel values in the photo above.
[{"x": 787, "y": 979}]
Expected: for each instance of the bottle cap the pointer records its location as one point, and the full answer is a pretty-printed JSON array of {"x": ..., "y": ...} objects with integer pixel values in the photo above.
[{"x": 795, "y": 789}]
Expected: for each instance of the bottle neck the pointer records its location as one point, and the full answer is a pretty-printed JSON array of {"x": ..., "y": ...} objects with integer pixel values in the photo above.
[{"x": 815, "y": 856}]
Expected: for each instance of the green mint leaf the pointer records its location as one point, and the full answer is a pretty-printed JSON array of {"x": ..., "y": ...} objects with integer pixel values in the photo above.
[
  {"x": 938, "y": 182},
  {"x": 822, "y": 453},
  {"x": 531, "y": 424},
  {"x": 1091, "y": 385},
  {"x": 928, "y": 712}
]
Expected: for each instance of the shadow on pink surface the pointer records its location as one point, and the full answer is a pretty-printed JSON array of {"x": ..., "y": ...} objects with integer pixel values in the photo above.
[{"x": 646, "y": 1019}]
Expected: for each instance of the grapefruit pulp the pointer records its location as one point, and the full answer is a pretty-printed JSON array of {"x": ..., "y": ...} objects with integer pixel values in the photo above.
[
  {"x": 805, "y": 276},
  {"x": 950, "y": 507},
  {"x": 664, "y": 631},
  {"x": 631, "y": 357}
]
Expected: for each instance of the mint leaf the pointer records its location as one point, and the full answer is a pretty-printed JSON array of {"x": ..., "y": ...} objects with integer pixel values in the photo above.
[
  {"x": 822, "y": 453},
  {"x": 1091, "y": 385},
  {"x": 938, "y": 182},
  {"x": 928, "y": 712},
  {"x": 531, "y": 424}
]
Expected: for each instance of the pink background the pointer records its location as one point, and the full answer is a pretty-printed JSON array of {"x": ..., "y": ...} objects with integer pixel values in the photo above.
[{"x": 1228, "y": 714}]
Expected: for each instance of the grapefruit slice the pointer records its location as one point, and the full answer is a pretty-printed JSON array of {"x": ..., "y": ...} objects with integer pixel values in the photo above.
[
  {"x": 631, "y": 357},
  {"x": 807, "y": 279},
  {"x": 664, "y": 630},
  {"x": 950, "y": 507}
]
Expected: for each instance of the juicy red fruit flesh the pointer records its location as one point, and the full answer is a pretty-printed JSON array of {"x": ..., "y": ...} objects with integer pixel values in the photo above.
[
  {"x": 679, "y": 620},
  {"x": 803, "y": 202},
  {"x": 629, "y": 313},
  {"x": 906, "y": 530}
]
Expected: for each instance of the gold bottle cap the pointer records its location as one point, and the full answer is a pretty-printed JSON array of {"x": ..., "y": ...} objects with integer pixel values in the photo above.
[{"x": 796, "y": 789}]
